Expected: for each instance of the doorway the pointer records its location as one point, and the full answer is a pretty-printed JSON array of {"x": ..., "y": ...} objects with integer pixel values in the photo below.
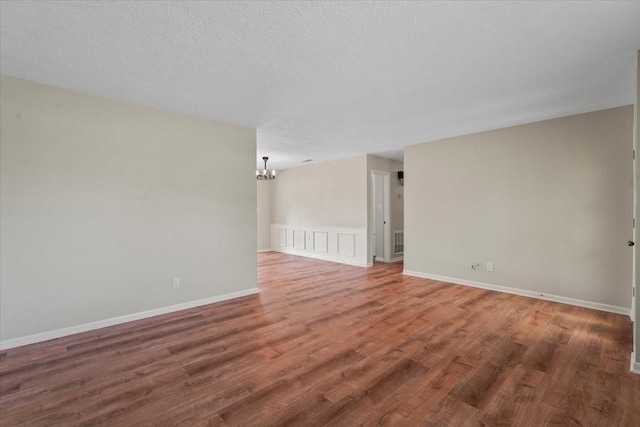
[{"x": 380, "y": 230}]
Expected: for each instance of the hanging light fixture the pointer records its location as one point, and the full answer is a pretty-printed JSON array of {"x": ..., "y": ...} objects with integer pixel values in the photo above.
[{"x": 266, "y": 173}]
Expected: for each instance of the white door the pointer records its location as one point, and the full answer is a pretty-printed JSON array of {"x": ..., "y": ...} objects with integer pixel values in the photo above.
[
  {"x": 635, "y": 309},
  {"x": 378, "y": 215}
]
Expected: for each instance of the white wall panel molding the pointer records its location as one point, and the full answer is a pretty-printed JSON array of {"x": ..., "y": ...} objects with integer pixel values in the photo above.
[
  {"x": 346, "y": 244},
  {"x": 343, "y": 245},
  {"x": 321, "y": 241},
  {"x": 279, "y": 236},
  {"x": 522, "y": 292},
  {"x": 299, "y": 239}
]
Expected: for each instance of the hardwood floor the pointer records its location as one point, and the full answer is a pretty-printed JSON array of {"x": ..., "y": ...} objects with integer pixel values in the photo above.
[{"x": 330, "y": 344}]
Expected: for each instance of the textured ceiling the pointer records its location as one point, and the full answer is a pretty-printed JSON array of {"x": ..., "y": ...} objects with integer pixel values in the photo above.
[{"x": 325, "y": 80}]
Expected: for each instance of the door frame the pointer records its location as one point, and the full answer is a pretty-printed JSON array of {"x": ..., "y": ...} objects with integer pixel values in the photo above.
[
  {"x": 386, "y": 208},
  {"x": 635, "y": 318}
]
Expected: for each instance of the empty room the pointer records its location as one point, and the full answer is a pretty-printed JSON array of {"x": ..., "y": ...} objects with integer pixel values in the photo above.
[{"x": 328, "y": 213}]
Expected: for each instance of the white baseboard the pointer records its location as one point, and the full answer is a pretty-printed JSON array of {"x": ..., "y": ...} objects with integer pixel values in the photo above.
[
  {"x": 389, "y": 261},
  {"x": 635, "y": 366},
  {"x": 522, "y": 292},
  {"x": 49, "y": 335},
  {"x": 309, "y": 254},
  {"x": 265, "y": 250}
]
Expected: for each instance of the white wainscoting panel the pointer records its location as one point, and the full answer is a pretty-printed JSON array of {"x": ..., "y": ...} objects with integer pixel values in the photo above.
[
  {"x": 346, "y": 244},
  {"x": 343, "y": 245},
  {"x": 280, "y": 237},
  {"x": 299, "y": 239},
  {"x": 321, "y": 241}
]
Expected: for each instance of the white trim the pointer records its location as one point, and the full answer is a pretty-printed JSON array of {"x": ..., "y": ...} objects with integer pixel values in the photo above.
[
  {"x": 49, "y": 335},
  {"x": 339, "y": 251},
  {"x": 396, "y": 259},
  {"x": 635, "y": 366},
  {"x": 343, "y": 260},
  {"x": 296, "y": 240},
  {"x": 279, "y": 242},
  {"x": 635, "y": 279},
  {"x": 265, "y": 250},
  {"x": 315, "y": 246},
  {"x": 522, "y": 292}
]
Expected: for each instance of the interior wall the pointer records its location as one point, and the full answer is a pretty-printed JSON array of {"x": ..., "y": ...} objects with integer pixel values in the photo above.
[
  {"x": 264, "y": 215},
  {"x": 103, "y": 203},
  {"x": 320, "y": 210},
  {"x": 396, "y": 199},
  {"x": 548, "y": 203}
]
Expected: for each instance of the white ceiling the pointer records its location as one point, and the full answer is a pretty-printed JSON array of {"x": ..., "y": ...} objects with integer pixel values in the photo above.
[{"x": 325, "y": 80}]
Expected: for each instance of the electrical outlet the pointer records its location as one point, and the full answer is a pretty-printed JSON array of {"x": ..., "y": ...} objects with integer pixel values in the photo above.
[
  {"x": 476, "y": 266},
  {"x": 489, "y": 266},
  {"x": 176, "y": 282}
]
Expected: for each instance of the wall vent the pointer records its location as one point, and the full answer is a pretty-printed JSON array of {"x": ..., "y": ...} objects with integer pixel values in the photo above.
[{"x": 398, "y": 242}]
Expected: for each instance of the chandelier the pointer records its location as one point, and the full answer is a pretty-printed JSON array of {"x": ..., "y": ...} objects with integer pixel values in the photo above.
[{"x": 266, "y": 173}]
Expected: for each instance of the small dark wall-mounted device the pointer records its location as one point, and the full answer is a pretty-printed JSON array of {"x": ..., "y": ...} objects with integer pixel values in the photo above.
[{"x": 401, "y": 177}]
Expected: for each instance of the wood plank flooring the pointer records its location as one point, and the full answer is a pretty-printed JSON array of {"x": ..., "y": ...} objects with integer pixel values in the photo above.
[{"x": 330, "y": 344}]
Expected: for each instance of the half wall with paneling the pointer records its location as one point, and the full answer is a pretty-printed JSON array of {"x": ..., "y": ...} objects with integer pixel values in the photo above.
[{"x": 320, "y": 211}]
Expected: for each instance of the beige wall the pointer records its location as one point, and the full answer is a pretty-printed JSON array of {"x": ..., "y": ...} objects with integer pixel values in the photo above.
[
  {"x": 548, "y": 203},
  {"x": 329, "y": 194},
  {"x": 103, "y": 203},
  {"x": 396, "y": 197},
  {"x": 264, "y": 215}
]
